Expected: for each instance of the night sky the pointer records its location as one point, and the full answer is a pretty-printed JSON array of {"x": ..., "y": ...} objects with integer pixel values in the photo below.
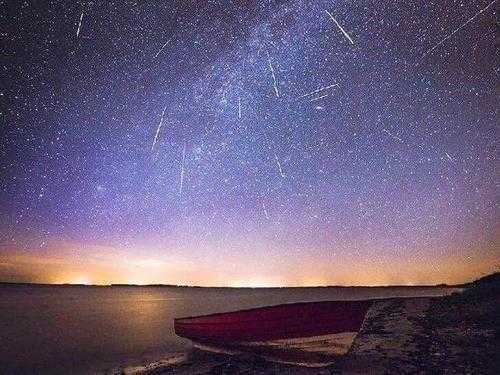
[{"x": 249, "y": 142}]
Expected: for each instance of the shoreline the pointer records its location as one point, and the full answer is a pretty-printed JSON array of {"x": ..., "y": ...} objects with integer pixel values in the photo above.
[
  {"x": 388, "y": 316},
  {"x": 458, "y": 332}
]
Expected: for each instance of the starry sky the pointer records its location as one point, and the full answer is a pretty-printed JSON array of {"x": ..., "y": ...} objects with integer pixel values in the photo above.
[{"x": 249, "y": 142}]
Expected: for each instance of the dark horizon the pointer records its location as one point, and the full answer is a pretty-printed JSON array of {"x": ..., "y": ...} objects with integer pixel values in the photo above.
[
  {"x": 228, "y": 287},
  {"x": 465, "y": 283},
  {"x": 492, "y": 275}
]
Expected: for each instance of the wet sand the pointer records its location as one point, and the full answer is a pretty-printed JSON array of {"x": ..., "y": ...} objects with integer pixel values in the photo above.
[{"x": 456, "y": 334}]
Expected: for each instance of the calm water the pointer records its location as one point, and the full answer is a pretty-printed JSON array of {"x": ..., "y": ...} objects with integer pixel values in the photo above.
[{"x": 82, "y": 330}]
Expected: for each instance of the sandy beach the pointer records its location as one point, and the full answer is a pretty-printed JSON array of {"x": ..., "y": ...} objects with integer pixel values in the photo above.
[{"x": 456, "y": 334}]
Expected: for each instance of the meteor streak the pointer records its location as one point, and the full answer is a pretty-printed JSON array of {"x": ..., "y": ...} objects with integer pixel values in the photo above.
[{"x": 340, "y": 27}]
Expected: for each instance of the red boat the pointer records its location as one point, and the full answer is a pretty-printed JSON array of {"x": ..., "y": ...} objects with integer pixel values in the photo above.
[{"x": 309, "y": 333}]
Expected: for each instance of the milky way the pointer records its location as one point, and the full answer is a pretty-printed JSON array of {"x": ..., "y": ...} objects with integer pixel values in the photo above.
[{"x": 285, "y": 140}]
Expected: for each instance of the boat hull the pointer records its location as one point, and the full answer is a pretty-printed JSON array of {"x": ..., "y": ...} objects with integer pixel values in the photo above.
[
  {"x": 312, "y": 333},
  {"x": 316, "y": 351}
]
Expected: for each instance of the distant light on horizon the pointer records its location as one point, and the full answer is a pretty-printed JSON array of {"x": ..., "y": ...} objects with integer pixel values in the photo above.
[
  {"x": 80, "y": 281},
  {"x": 112, "y": 266}
]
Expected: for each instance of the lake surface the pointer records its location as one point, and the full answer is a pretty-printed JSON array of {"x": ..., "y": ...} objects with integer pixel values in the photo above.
[{"x": 88, "y": 330}]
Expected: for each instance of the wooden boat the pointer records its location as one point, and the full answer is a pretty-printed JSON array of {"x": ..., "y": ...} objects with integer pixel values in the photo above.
[{"x": 309, "y": 333}]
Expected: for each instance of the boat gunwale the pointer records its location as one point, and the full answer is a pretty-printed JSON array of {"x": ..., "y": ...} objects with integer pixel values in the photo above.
[{"x": 292, "y": 318}]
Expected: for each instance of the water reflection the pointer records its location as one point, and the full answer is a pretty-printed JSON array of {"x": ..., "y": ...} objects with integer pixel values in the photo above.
[{"x": 83, "y": 329}]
